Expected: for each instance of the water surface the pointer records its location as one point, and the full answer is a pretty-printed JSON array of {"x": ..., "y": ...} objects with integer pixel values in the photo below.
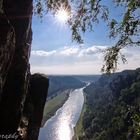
[{"x": 60, "y": 126}]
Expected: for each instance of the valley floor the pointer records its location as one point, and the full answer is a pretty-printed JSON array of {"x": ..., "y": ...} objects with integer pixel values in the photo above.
[
  {"x": 54, "y": 104},
  {"x": 79, "y": 127}
]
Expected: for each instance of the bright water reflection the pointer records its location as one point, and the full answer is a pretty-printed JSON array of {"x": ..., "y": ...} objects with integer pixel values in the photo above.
[
  {"x": 64, "y": 131},
  {"x": 60, "y": 126}
]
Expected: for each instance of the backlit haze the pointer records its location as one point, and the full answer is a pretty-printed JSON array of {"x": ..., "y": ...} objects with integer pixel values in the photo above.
[{"x": 53, "y": 51}]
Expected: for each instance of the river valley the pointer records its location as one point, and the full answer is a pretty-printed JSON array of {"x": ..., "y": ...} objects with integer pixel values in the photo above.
[{"x": 61, "y": 125}]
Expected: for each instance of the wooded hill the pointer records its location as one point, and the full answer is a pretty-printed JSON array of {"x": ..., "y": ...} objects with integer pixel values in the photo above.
[{"x": 113, "y": 108}]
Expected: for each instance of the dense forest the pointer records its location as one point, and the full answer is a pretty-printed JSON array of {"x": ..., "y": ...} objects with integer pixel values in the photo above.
[{"x": 113, "y": 108}]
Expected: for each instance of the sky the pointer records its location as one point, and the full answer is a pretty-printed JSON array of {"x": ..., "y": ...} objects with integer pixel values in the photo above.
[{"x": 53, "y": 51}]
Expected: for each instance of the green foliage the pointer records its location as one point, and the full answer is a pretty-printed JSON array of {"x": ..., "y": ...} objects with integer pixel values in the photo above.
[
  {"x": 54, "y": 104},
  {"x": 86, "y": 13},
  {"x": 136, "y": 124},
  {"x": 115, "y": 114},
  {"x": 111, "y": 59}
]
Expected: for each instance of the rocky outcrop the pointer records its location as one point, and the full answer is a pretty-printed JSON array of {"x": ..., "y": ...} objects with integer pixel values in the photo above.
[
  {"x": 34, "y": 105},
  {"x": 15, "y": 45},
  {"x": 15, "y": 34}
]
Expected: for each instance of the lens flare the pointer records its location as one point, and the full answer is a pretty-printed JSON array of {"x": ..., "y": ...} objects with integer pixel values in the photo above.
[{"x": 62, "y": 15}]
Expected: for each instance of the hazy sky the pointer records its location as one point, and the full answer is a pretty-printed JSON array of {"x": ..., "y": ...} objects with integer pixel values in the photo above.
[{"x": 53, "y": 51}]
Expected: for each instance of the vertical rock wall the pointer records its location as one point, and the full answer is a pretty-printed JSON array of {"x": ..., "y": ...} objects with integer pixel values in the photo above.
[
  {"x": 34, "y": 105},
  {"x": 15, "y": 45},
  {"x": 15, "y": 31}
]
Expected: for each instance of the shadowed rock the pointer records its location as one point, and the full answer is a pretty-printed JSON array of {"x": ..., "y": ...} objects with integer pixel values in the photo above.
[
  {"x": 15, "y": 40},
  {"x": 15, "y": 46},
  {"x": 34, "y": 106}
]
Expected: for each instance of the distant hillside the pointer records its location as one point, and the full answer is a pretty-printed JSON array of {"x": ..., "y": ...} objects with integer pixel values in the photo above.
[
  {"x": 87, "y": 78},
  {"x": 58, "y": 93},
  {"x": 113, "y": 108},
  {"x": 59, "y": 83}
]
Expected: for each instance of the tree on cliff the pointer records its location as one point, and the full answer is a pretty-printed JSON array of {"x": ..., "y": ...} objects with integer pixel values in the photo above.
[{"x": 125, "y": 31}]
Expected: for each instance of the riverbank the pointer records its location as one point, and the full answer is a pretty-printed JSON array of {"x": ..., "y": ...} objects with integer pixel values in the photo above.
[
  {"x": 58, "y": 126},
  {"x": 78, "y": 129},
  {"x": 54, "y": 104}
]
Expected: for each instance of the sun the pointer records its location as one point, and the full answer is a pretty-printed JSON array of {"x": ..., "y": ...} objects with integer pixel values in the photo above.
[{"x": 62, "y": 15}]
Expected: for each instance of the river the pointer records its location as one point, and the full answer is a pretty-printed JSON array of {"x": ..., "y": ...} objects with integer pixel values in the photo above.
[{"x": 61, "y": 125}]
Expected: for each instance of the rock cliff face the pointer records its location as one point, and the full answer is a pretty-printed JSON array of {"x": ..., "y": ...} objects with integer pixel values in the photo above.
[
  {"x": 15, "y": 45},
  {"x": 33, "y": 107}
]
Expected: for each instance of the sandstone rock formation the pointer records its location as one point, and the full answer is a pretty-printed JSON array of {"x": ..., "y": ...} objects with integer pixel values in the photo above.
[{"x": 15, "y": 45}]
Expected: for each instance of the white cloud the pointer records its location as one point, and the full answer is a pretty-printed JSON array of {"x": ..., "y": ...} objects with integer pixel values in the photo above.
[
  {"x": 69, "y": 51},
  {"x": 42, "y": 53},
  {"x": 91, "y": 50},
  {"x": 78, "y": 60}
]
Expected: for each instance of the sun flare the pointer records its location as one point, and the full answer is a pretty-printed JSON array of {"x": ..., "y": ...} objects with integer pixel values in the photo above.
[{"x": 62, "y": 15}]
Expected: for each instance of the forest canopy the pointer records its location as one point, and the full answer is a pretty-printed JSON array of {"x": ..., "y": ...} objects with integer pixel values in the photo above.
[{"x": 85, "y": 13}]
